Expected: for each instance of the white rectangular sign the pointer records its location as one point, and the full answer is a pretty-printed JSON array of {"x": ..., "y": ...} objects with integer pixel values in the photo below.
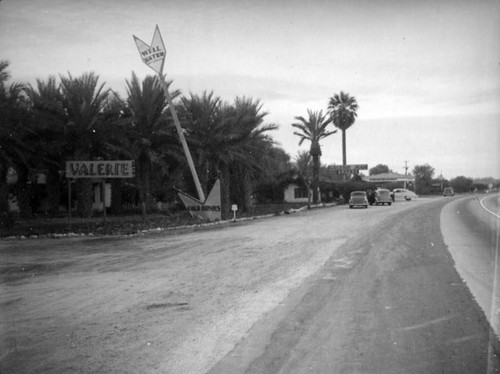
[{"x": 100, "y": 169}]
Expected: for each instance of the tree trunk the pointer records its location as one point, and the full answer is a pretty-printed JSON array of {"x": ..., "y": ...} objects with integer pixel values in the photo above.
[
  {"x": 116, "y": 196},
  {"x": 7, "y": 218},
  {"x": 53, "y": 191},
  {"x": 247, "y": 190},
  {"x": 143, "y": 181},
  {"x": 24, "y": 193},
  {"x": 85, "y": 197},
  {"x": 225, "y": 191},
  {"x": 315, "y": 178},
  {"x": 4, "y": 190},
  {"x": 344, "y": 153}
]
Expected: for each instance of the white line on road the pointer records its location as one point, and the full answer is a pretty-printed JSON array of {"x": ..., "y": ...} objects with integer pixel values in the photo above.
[{"x": 484, "y": 207}]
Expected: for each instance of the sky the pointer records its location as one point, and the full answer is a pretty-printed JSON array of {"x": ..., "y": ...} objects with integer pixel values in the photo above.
[{"x": 425, "y": 74}]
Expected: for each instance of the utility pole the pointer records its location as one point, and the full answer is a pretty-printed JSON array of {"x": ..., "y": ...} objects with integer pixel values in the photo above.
[{"x": 406, "y": 173}]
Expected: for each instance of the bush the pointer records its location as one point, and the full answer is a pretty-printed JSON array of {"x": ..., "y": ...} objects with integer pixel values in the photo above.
[{"x": 7, "y": 220}]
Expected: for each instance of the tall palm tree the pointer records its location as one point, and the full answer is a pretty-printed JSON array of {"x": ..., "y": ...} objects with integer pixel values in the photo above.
[
  {"x": 313, "y": 129},
  {"x": 343, "y": 112},
  {"x": 247, "y": 119},
  {"x": 49, "y": 140},
  {"x": 14, "y": 150},
  {"x": 83, "y": 104},
  {"x": 227, "y": 141},
  {"x": 152, "y": 136},
  {"x": 303, "y": 166}
]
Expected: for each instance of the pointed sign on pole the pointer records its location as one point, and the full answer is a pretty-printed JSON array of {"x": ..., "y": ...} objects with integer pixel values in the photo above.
[{"x": 154, "y": 56}]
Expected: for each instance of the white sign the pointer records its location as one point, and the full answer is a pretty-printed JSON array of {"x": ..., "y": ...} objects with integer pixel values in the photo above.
[
  {"x": 100, "y": 169},
  {"x": 349, "y": 167},
  {"x": 210, "y": 209},
  {"x": 152, "y": 55}
]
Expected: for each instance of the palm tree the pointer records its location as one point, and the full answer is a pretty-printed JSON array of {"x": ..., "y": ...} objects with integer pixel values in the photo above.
[
  {"x": 247, "y": 119},
  {"x": 14, "y": 151},
  {"x": 227, "y": 141},
  {"x": 153, "y": 141},
  {"x": 314, "y": 130},
  {"x": 343, "y": 112},
  {"x": 49, "y": 140},
  {"x": 201, "y": 117},
  {"x": 83, "y": 104},
  {"x": 303, "y": 166}
]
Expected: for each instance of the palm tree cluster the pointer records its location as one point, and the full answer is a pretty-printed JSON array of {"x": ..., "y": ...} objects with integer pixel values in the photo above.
[
  {"x": 342, "y": 112},
  {"x": 78, "y": 118}
]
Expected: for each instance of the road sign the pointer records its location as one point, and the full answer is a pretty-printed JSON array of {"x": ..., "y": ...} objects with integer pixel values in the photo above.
[
  {"x": 152, "y": 55},
  {"x": 349, "y": 167}
]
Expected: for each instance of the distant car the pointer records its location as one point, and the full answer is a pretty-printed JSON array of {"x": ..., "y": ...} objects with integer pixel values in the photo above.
[
  {"x": 448, "y": 191},
  {"x": 382, "y": 196},
  {"x": 358, "y": 198},
  {"x": 403, "y": 194}
]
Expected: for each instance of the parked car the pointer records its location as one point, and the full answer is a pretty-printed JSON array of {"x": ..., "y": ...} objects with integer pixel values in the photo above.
[
  {"x": 382, "y": 196},
  {"x": 448, "y": 191},
  {"x": 358, "y": 198},
  {"x": 403, "y": 194}
]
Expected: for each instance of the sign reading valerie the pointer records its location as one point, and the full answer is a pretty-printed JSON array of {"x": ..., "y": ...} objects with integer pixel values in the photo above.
[{"x": 100, "y": 169}]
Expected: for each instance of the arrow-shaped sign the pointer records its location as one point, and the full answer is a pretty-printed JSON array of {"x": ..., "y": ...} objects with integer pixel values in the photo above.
[
  {"x": 152, "y": 55},
  {"x": 209, "y": 210}
]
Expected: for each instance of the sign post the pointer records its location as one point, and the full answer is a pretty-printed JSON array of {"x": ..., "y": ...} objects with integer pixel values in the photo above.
[
  {"x": 154, "y": 56},
  {"x": 97, "y": 170},
  {"x": 205, "y": 208},
  {"x": 234, "y": 208}
]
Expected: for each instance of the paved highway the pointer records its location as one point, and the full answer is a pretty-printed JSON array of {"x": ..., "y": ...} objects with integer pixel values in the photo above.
[
  {"x": 333, "y": 290},
  {"x": 399, "y": 307},
  {"x": 471, "y": 229}
]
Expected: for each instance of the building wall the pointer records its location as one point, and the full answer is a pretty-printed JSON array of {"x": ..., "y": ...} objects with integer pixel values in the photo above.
[{"x": 289, "y": 194}]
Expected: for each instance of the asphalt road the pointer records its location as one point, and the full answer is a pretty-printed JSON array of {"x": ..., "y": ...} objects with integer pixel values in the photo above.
[
  {"x": 471, "y": 229},
  {"x": 399, "y": 306},
  {"x": 333, "y": 290}
]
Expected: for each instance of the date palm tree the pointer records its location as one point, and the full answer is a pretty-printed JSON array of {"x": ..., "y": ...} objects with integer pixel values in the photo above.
[
  {"x": 343, "y": 112},
  {"x": 303, "y": 166},
  {"x": 49, "y": 140},
  {"x": 152, "y": 138},
  {"x": 83, "y": 104},
  {"x": 247, "y": 119},
  {"x": 14, "y": 151},
  {"x": 227, "y": 141},
  {"x": 313, "y": 129}
]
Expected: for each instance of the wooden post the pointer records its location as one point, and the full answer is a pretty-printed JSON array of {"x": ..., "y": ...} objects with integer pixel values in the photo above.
[
  {"x": 201, "y": 195},
  {"x": 103, "y": 196},
  {"x": 69, "y": 205}
]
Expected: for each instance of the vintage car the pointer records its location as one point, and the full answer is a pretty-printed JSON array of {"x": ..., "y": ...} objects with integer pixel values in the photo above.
[
  {"x": 358, "y": 198},
  {"x": 382, "y": 196},
  {"x": 448, "y": 191},
  {"x": 403, "y": 194}
]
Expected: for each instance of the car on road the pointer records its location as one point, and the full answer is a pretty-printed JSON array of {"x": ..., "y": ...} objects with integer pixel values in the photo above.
[
  {"x": 358, "y": 198},
  {"x": 448, "y": 191},
  {"x": 382, "y": 196},
  {"x": 403, "y": 194}
]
